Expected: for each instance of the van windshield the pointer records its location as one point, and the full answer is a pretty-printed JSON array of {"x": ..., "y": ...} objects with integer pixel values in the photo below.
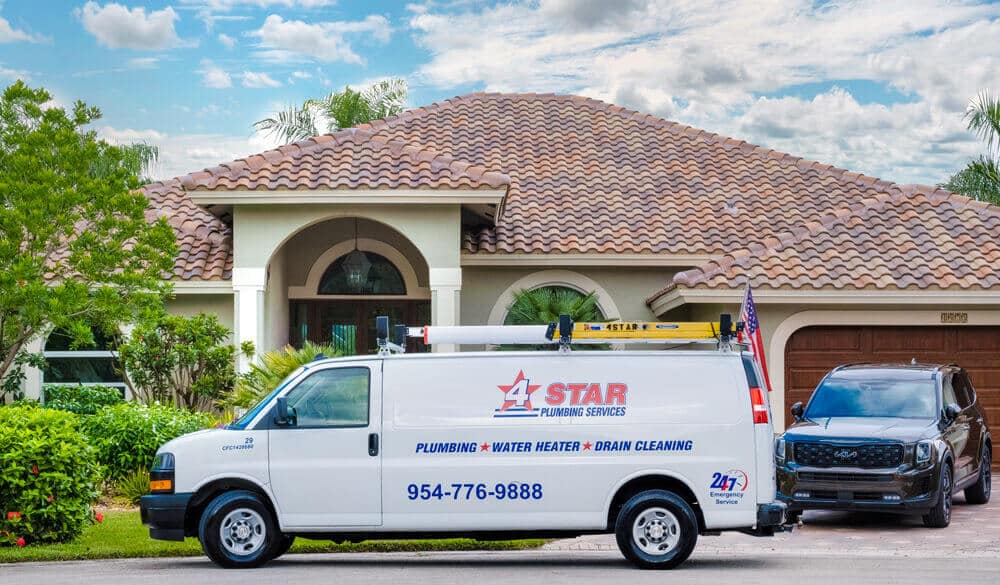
[
  {"x": 244, "y": 420},
  {"x": 873, "y": 397}
]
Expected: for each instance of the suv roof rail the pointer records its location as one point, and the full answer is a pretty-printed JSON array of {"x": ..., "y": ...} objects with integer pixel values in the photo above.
[{"x": 567, "y": 333}]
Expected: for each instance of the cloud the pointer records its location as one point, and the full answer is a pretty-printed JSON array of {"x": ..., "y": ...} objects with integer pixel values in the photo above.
[
  {"x": 144, "y": 62},
  {"x": 214, "y": 76},
  {"x": 258, "y": 80},
  {"x": 284, "y": 40},
  {"x": 13, "y": 74},
  {"x": 730, "y": 66},
  {"x": 9, "y": 34},
  {"x": 116, "y": 26},
  {"x": 230, "y": 4},
  {"x": 227, "y": 40},
  {"x": 184, "y": 153}
]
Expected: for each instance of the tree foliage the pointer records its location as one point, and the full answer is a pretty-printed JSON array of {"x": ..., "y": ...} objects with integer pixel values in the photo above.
[
  {"x": 76, "y": 249},
  {"x": 543, "y": 305},
  {"x": 273, "y": 367},
  {"x": 980, "y": 179},
  {"x": 341, "y": 109},
  {"x": 187, "y": 361}
]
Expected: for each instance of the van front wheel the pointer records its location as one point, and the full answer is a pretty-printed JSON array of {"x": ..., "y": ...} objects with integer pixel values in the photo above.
[
  {"x": 656, "y": 529},
  {"x": 238, "y": 531}
]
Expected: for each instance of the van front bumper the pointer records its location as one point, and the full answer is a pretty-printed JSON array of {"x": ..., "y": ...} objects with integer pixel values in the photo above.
[{"x": 164, "y": 514}]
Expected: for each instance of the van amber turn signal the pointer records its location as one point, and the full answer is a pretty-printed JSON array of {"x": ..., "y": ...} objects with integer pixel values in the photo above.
[{"x": 161, "y": 485}]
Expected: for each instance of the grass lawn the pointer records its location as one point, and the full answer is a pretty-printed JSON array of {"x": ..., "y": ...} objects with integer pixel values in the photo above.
[{"x": 122, "y": 535}]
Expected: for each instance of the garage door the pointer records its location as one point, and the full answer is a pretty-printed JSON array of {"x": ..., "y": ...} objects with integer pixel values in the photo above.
[{"x": 813, "y": 351}]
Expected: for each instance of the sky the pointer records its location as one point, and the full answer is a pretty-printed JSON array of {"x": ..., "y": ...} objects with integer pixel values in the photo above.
[{"x": 875, "y": 87}]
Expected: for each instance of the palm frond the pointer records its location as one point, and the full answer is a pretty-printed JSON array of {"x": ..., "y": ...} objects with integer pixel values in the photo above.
[
  {"x": 983, "y": 117},
  {"x": 386, "y": 98},
  {"x": 291, "y": 124},
  {"x": 980, "y": 179}
]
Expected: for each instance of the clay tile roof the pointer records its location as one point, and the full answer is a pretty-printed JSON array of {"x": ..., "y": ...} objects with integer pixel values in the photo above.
[
  {"x": 915, "y": 238},
  {"x": 582, "y": 176},
  {"x": 204, "y": 241},
  {"x": 349, "y": 159}
]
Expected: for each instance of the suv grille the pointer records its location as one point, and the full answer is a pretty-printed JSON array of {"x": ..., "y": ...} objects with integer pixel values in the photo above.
[
  {"x": 839, "y": 477},
  {"x": 865, "y": 456}
]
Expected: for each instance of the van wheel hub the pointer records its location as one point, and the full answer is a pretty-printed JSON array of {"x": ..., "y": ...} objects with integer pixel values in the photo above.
[
  {"x": 656, "y": 531},
  {"x": 242, "y": 532}
]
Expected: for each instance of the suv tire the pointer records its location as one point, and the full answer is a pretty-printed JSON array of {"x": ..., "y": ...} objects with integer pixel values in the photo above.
[
  {"x": 238, "y": 531},
  {"x": 656, "y": 529},
  {"x": 979, "y": 492},
  {"x": 940, "y": 515}
]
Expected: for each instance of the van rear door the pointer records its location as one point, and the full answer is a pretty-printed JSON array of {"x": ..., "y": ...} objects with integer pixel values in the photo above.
[{"x": 763, "y": 431}]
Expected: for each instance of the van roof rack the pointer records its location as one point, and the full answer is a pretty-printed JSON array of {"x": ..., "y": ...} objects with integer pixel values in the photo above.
[{"x": 564, "y": 333}]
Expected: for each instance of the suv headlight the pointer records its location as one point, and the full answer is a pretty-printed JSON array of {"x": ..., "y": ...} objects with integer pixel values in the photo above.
[
  {"x": 923, "y": 452},
  {"x": 779, "y": 450}
]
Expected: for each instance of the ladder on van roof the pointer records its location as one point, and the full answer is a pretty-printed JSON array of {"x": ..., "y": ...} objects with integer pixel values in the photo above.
[{"x": 564, "y": 333}]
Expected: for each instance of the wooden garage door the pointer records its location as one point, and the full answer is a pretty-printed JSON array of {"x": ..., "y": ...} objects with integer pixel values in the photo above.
[{"x": 814, "y": 351}]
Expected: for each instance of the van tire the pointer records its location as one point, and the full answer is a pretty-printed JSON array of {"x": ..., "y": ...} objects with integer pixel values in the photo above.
[
  {"x": 655, "y": 519},
  {"x": 250, "y": 522},
  {"x": 284, "y": 543}
]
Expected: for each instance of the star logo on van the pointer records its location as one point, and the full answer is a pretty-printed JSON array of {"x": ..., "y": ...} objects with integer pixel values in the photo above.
[{"x": 518, "y": 393}]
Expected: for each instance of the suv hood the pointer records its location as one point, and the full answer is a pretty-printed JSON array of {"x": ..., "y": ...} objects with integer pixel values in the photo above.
[{"x": 906, "y": 430}]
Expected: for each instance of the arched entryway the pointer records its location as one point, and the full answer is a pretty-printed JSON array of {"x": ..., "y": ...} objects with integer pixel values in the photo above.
[{"x": 366, "y": 269}]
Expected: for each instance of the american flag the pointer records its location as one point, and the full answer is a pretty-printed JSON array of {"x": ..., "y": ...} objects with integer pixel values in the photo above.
[{"x": 751, "y": 334}]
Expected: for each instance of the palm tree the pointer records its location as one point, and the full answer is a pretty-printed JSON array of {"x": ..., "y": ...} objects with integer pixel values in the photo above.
[
  {"x": 980, "y": 179},
  {"x": 340, "y": 109},
  {"x": 137, "y": 159},
  {"x": 542, "y": 306}
]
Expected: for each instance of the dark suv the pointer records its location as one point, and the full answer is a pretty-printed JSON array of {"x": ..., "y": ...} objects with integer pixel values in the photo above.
[{"x": 891, "y": 438}]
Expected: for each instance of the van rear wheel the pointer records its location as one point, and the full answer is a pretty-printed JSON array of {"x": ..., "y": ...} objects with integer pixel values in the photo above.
[
  {"x": 238, "y": 531},
  {"x": 656, "y": 529}
]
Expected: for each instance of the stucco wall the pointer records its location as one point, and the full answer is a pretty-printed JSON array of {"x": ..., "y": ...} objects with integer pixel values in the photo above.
[{"x": 192, "y": 304}]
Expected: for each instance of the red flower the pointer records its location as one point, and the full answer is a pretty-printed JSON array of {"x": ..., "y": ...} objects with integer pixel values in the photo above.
[
  {"x": 13, "y": 515},
  {"x": 34, "y": 469},
  {"x": 51, "y": 499},
  {"x": 99, "y": 517},
  {"x": 20, "y": 542}
]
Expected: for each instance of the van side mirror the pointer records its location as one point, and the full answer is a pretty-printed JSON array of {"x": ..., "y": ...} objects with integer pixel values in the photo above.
[
  {"x": 797, "y": 410},
  {"x": 284, "y": 415},
  {"x": 951, "y": 412}
]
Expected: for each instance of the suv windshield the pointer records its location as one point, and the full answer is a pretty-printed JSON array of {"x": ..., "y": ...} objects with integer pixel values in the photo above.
[{"x": 874, "y": 397}]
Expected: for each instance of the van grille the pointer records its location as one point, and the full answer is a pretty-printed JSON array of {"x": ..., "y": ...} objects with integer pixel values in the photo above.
[{"x": 865, "y": 456}]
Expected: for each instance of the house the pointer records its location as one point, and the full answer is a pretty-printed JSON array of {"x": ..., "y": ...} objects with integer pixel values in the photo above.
[{"x": 440, "y": 214}]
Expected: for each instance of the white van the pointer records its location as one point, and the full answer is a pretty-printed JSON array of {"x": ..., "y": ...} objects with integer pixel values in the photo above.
[{"x": 657, "y": 446}]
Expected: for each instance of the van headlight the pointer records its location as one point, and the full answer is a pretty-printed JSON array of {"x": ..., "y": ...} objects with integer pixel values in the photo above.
[
  {"x": 779, "y": 450},
  {"x": 923, "y": 452}
]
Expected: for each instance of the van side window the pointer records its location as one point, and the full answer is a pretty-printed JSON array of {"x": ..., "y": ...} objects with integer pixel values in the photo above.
[{"x": 332, "y": 398}]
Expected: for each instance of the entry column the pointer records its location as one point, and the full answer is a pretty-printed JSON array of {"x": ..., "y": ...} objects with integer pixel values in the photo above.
[
  {"x": 248, "y": 306},
  {"x": 446, "y": 288}
]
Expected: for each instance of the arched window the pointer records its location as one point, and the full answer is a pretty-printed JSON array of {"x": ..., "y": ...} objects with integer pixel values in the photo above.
[
  {"x": 362, "y": 273},
  {"x": 545, "y": 303},
  {"x": 97, "y": 364}
]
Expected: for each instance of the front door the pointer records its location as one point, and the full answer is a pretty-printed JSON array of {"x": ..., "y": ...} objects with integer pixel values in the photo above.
[
  {"x": 325, "y": 466},
  {"x": 349, "y": 325}
]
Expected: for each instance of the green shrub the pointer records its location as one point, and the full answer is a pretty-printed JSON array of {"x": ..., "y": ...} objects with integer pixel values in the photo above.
[
  {"x": 80, "y": 399},
  {"x": 273, "y": 367},
  {"x": 133, "y": 486},
  {"x": 127, "y": 435},
  {"x": 48, "y": 476}
]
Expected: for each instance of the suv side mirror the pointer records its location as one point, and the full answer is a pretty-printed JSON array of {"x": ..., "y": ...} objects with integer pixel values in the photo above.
[
  {"x": 951, "y": 412},
  {"x": 797, "y": 410},
  {"x": 284, "y": 415}
]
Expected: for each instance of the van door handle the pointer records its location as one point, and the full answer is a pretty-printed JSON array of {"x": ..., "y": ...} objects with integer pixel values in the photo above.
[{"x": 373, "y": 444}]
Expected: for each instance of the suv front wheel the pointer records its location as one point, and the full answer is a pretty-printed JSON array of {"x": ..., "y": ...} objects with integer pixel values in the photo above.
[
  {"x": 979, "y": 492},
  {"x": 656, "y": 529},
  {"x": 940, "y": 514}
]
